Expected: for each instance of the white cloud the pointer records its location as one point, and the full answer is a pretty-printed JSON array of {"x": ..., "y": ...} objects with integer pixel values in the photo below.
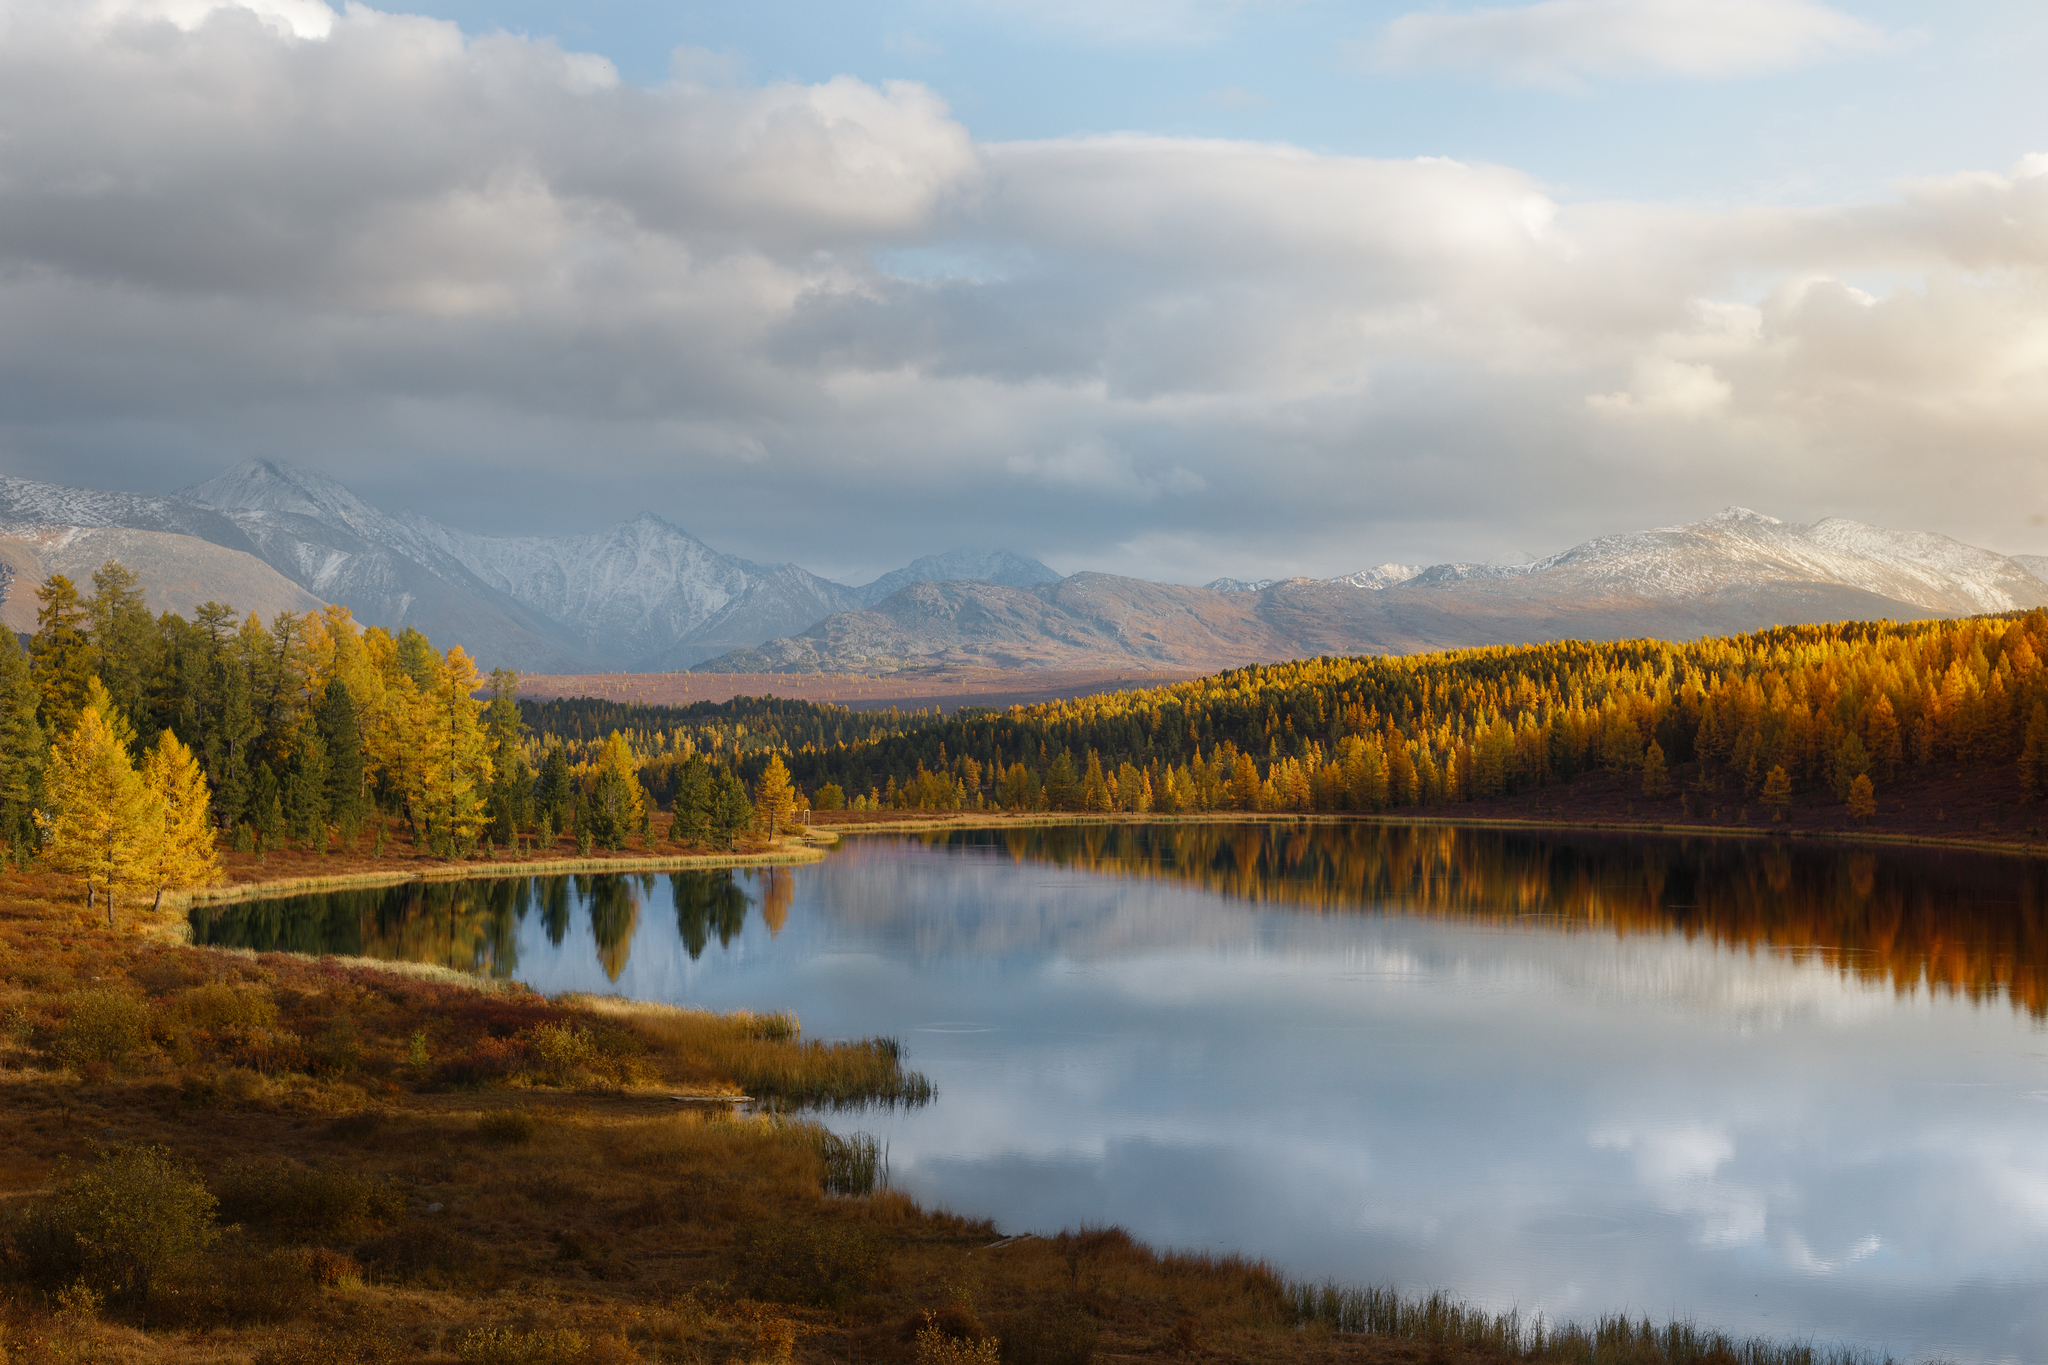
[
  {"x": 1560, "y": 43},
  {"x": 487, "y": 277}
]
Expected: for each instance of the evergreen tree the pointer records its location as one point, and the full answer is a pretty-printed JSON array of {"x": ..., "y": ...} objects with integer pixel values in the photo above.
[
  {"x": 695, "y": 803},
  {"x": 1862, "y": 798},
  {"x": 230, "y": 741},
  {"x": 266, "y": 806},
  {"x": 731, "y": 810},
  {"x": 342, "y": 737},
  {"x": 62, "y": 654},
  {"x": 554, "y": 791},
  {"x": 511, "y": 802},
  {"x": 23, "y": 750},
  {"x": 773, "y": 799},
  {"x": 125, "y": 642},
  {"x": 184, "y": 853},
  {"x": 104, "y": 827},
  {"x": 305, "y": 788},
  {"x": 1062, "y": 784}
]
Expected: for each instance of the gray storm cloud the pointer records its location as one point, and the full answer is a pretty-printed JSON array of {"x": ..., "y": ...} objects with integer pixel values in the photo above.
[{"x": 487, "y": 278}]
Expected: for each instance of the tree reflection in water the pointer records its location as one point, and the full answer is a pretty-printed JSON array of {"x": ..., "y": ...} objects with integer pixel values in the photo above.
[
  {"x": 707, "y": 902},
  {"x": 614, "y": 915},
  {"x": 1971, "y": 923},
  {"x": 1975, "y": 924}
]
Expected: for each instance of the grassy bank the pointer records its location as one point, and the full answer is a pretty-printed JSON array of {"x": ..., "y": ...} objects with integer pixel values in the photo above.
[{"x": 213, "y": 1156}]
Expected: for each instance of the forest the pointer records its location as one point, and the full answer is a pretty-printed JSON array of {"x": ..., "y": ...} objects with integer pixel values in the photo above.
[
  {"x": 131, "y": 745},
  {"x": 1834, "y": 712}
]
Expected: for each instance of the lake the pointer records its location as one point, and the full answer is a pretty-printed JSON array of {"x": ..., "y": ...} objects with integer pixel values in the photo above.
[{"x": 1782, "y": 1087}]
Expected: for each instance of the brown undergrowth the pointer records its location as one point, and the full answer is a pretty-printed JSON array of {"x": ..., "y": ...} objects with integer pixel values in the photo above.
[{"x": 209, "y": 1156}]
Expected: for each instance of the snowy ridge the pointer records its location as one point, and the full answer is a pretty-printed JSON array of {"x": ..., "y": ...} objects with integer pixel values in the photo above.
[
  {"x": 1737, "y": 548},
  {"x": 1381, "y": 576}
]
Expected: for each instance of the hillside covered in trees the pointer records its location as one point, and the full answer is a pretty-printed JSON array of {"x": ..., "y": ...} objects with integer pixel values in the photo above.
[{"x": 1842, "y": 711}]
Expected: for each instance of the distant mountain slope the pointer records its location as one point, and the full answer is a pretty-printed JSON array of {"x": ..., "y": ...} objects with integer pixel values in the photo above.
[
  {"x": 955, "y": 566},
  {"x": 178, "y": 572},
  {"x": 1733, "y": 572},
  {"x": 1088, "y": 617},
  {"x": 382, "y": 569},
  {"x": 644, "y": 594}
]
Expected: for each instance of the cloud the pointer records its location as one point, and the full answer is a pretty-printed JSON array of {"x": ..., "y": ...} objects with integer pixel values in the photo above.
[
  {"x": 1561, "y": 43},
  {"x": 487, "y": 278}
]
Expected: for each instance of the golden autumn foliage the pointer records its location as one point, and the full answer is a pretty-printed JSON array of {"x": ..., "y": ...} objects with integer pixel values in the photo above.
[
  {"x": 103, "y": 825},
  {"x": 184, "y": 852},
  {"x": 1827, "y": 704}
]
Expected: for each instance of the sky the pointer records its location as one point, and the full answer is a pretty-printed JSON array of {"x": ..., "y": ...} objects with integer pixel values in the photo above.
[{"x": 1171, "y": 288}]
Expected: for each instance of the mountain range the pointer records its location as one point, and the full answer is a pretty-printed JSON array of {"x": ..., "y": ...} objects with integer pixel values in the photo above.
[
  {"x": 643, "y": 596},
  {"x": 647, "y": 596},
  {"x": 1733, "y": 572}
]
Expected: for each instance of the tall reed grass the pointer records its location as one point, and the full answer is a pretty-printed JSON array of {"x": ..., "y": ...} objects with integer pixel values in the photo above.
[
  {"x": 765, "y": 1055},
  {"x": 853, "y": 1165},
  {"x": 1615, "y": 1339}
]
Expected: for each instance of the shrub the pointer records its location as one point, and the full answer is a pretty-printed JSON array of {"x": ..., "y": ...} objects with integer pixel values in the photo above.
[
  {"x": 562, "y": 1050},
  {"x": 820, "y": 1265},
  {"x": 101, "y": 1026},
  {"x": 512, "y": 1126},
  {"x": 488, "y": 1059},
  {"x": 217, "y": 1007},
  {"x": 134, "y": 1214},
  {"x": 302, "y": 1202},
  {"x": 937, "y": 1346}
]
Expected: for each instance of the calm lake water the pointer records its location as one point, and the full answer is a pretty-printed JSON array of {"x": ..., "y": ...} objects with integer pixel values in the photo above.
[{"x": 1775, "y": 1087}]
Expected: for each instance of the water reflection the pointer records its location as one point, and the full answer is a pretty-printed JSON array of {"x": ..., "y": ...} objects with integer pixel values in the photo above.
[
  {"x": 474, "y": 926},
  {"x": 1973, "y": 924},
  {"x": 1781, "y": 1086}
]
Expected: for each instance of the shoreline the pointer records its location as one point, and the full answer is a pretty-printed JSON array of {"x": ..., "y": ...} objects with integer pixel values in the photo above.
[{"x": 1039, "y": 820}]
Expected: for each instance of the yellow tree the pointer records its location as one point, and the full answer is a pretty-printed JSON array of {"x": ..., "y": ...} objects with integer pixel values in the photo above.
[
  {"x": 457, "y": 757},
  {"x": 1777, "y": 792},
  {"x": 1862, "y": 798},
  {"x": 104, "y": 826},
  {"x": 184, "y": 854},
  {"x": 397, "y": 746},
  {"x": 773, "y": 800}
]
